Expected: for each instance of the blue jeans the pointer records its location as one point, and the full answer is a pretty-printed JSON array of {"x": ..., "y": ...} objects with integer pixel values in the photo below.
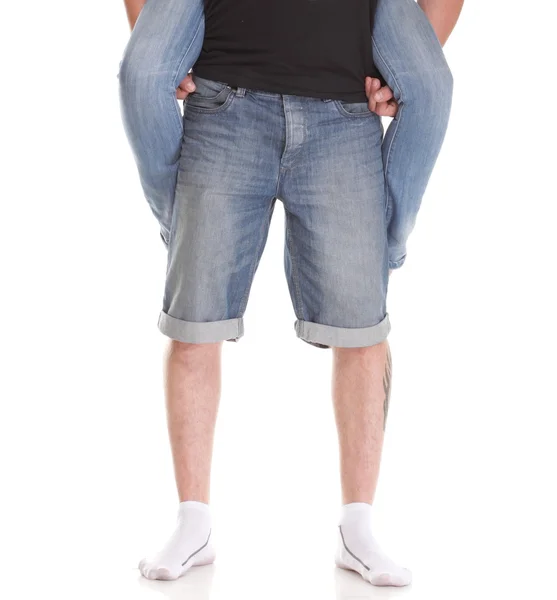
[
  {"x": 242, "y": 150},
  {"x": 166, "y": 42}
]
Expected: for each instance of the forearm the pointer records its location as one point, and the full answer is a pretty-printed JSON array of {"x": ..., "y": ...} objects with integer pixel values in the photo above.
[
  {"x": 133, "y": 8},
  {"x": 443, "y": 15}
]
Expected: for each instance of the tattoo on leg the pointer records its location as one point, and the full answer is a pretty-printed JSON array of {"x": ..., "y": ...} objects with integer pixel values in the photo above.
[{"x": 387, "y": 386}]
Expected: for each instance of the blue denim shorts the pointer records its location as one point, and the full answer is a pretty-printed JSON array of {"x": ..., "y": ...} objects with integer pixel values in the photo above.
[{"x": 242, "y": 150}]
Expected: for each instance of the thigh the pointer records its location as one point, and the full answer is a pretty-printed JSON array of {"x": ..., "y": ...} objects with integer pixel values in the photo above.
[
  {"x": 166, "y": 40},
  {"x": 335, "y": 203},
  {"x": 224, "y": 201},
  {"x": 404, "y": 43}
]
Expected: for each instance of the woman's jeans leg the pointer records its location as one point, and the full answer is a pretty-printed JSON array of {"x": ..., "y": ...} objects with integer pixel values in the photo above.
[
  {"x": 166, "y": 42},
  {"x": 163, "y": 46},
  {"x": 411, "y": 60}
]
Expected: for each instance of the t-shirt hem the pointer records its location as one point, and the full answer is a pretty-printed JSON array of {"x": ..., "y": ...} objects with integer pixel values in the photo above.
[{"x": 256, "y": 84}]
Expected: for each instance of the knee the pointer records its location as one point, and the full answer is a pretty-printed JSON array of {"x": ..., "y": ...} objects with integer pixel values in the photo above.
[
  {"x": 362, "y": 352},
  {"x": 428, "y": 89},
  {"x": 442, "y": 83},
  {"x": 141, "y": 69},
  {"x": 192, "y": 355}
]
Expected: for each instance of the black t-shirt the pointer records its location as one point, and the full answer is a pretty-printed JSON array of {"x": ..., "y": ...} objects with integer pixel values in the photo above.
[{"x": 318, "y": 48}]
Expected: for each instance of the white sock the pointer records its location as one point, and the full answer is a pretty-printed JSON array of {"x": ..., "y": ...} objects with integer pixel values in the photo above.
[
  {"x": 358, "y": 550},
  {"x": 190, "y": 545}
]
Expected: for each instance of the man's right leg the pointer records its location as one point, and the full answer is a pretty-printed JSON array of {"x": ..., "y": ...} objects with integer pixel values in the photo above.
[
  {"x": 225, "y": 196},
  {"x": 163, "y": 47},
  {"x": 192, "y": 378},
  {"x": 361, "y": 393},
  {"x": 192, "y": 382}
]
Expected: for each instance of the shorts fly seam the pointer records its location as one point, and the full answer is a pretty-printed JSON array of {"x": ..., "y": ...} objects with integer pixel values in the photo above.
[{"x": 291, "y": 148}]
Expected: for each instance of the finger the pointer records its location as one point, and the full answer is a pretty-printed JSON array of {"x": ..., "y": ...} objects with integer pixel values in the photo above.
[
  {"x": 383, "y": 109},
  {"x": 368, "y": 86},
  {"x": 384, "y": 94},
  {"x": 375, "y": 87},
  {"x": 372, "y": 85},
  {"x": 187, "y": 84},
  {"x": 393, "y": 108},
  {"x": 387, "y": 109},
  {"x": 369, "y": 93},
  {"x": 375, "y": 84},
  {"x": 180, "y": 94}
]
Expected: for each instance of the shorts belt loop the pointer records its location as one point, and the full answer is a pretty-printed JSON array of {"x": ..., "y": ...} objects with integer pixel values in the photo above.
[{"x": 240, "y": 92}]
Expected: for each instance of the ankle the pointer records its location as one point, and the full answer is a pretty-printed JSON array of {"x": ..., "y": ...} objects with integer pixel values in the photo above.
[{"x": 355, "y": 511}]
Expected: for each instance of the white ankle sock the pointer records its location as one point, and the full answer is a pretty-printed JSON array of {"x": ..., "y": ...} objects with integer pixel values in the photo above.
[
  {"x": 358, "y": 550},
  {"x": 190, "y": 545}
]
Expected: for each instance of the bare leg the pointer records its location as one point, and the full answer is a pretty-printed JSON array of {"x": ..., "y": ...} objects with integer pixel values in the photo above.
[
  {"x": 361, "y": 394},
  {"x": 193, "y": 382},
  {"x": 193, "y": 385},
  {"x": 361, "y": 386}
]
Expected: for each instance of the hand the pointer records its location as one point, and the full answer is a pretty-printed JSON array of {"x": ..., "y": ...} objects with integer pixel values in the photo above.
[
  {"x": 186, "y": 87},
  {"x": 381, "y": 99}
]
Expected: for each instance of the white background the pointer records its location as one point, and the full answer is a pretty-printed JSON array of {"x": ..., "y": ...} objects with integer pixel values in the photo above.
[{"x": 467, "y": 495}]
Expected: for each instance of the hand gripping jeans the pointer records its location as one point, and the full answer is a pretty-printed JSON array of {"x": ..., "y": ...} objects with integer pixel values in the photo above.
[{"x": 166, "y": 42}]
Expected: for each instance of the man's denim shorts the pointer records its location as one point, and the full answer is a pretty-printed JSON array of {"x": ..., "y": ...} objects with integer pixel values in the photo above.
[{"x": 242, "y": 150}]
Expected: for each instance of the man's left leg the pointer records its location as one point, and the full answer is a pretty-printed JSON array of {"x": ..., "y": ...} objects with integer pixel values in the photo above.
[
  {"x": 361, "y": 385},
  {"x": 361, "y": 393},
  {"x": 336, "y": 260}
]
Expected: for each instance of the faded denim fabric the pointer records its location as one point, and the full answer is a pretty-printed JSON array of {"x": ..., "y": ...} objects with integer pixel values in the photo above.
[
  {"x": 244, "y": 149},
  {"x": 166, "y": 42}
]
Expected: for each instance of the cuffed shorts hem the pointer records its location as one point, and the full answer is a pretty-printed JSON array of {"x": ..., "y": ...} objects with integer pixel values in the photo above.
[
  {"x": 326, "y": 336},
  {"x": 229, "y": 330},
  {"x": 396, "y": 264}
]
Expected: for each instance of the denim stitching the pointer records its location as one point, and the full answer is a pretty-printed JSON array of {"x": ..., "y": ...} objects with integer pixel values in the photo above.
[
  {"x": 194, "y": 37},
  {"x": 224, "y": 86},
  {"x": 399, "y": 88},
  {"x": 350, "y": 115},
  {"x": 291, "y": 148},
  {"x": 398, "y": 120},
  {"x": 213, "y": 111},
  {"x": 256, "y": 92},
  {"x": 390, "y": 152},
  {"x": 178, "y": 112}
]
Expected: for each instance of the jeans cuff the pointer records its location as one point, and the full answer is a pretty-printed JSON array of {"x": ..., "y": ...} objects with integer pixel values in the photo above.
[
  {"x": 230, "y": 330},
  {"x": 396, "y": 264},
  {"x": 165, "y": 236},
  {"x": 327, "y": 336}
]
